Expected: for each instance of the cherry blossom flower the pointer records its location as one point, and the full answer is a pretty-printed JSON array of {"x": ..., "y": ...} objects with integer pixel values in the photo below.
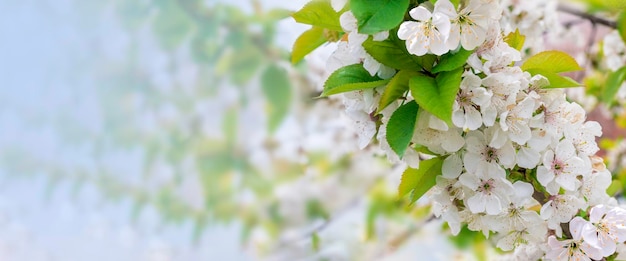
[
  {"x": 491, "y": 193},
  {"x": 606, "y": 228},
  {"x": 560, "y": 209},
  {"x": 469, "y": 100},
  {"x": 355, "y": 42},
  {"x": 430, "y": 32},
  {"x": 562, "y": 166},
  {"x": 483, "y": 156},
  {"x": 516, "y": 121},
  {"x": 469, "y": 27},
  {"x": 575, "y": 248}
]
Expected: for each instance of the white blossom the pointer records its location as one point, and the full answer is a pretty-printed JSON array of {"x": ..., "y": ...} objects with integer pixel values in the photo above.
[
  {"x": 575, "y": 248},
  {"x": 430, "y": 32}
]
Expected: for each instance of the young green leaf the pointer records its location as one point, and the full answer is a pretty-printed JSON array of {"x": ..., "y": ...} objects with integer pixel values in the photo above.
[
  {"x": 380, "y": 15},
  {"x": 351, "y": 78},
  {"x": 401, "y": 127},
  {"x": 398, "y": 85},
  {"x": 277, "y": 90},
  {"x": 307, "y": 42},
  {"x": 621, "y": 25},
  {"x": 613, "y": 83},
  {"x": 318, "y": 13},
  {"x": 436, "y": 95},
  {"x": 556, "y": 81},
  {"x": 452, "y": 61},
  {"x": 419, "y": 181},
  {"x": 551, "y": 61},
  {"x": 392, "y": 52},
  {"x": 515, "y": 40}
]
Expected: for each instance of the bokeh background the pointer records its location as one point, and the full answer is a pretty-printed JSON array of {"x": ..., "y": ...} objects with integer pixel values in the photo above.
[{"x": 180, "y": 130}]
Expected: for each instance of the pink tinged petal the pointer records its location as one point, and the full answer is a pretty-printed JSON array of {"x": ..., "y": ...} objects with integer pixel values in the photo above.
[
  {"x": 527, "y": 158},
  {"x": 589, "y": 234},
  {"x": 576, "y": 227},
  {"x": 596, "y": 213},
  {"x": 544, "y": 176},
  {"x": 452, "y": 166},
  {"x": 420, "y": 13},
  {"x": 591, "y": 251},
  {"x": 554, "y": 243},
  {"x": 472, "y": 36}
]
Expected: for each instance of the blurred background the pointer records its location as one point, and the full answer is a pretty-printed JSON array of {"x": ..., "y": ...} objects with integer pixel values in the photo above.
[{"x": 180, "y": 130}]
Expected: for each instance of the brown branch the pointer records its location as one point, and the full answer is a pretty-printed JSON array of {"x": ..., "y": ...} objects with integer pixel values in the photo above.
[{"x": 593, "y": 19}]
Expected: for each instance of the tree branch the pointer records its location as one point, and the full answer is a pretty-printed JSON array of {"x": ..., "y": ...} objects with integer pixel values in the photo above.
[{"x": 593, "y": 19}]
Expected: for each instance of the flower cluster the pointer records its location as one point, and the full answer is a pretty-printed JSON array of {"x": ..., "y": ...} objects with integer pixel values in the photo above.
[
  {"x": 518, "y": 158},
  {"x": 442, "y": 29}
]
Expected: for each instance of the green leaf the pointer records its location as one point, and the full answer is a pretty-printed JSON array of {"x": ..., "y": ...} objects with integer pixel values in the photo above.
[
  {"x": 318, "y": 13},
  {"x": 375, "y": 16},
  {"x": 419, "y": 181},
  {"x": 277, "y": 90},
  {"x": 621, "y": 25},
  {"x": 351, "y": 78},
  {"x": 315, "y": 241},
  {"x": 436, "y": 95},
  {"x": 307, "y": 42},
  {"x": 556, "y": 81},
  {"x": 392, "y": 52},
  {"x": 613, "y": 83},
  {"x": 452, "y": 61},
  {"x": 401, "y": 127},
  {"x": 515, "y": 40},
  {"x": 398, "y": 85},
  {"x": 551, "y": 61}
]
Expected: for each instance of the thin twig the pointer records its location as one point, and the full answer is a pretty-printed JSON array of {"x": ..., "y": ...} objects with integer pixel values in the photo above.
[{"x": 593, "y": 19}]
